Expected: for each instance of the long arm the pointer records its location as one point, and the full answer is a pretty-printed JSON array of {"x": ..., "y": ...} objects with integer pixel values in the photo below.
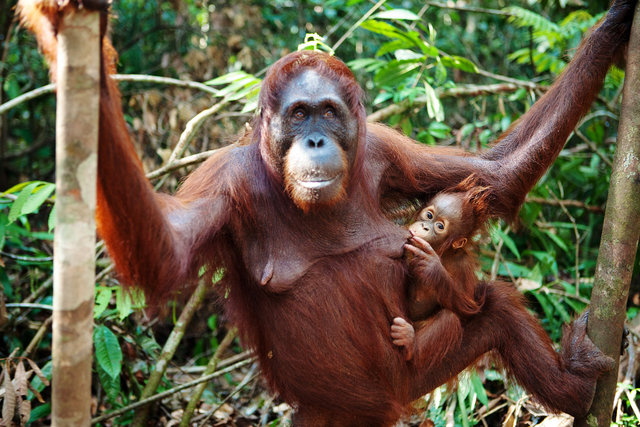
[
  {"x": 526, "y": 150},
  {"x": 153, "y": 239}
]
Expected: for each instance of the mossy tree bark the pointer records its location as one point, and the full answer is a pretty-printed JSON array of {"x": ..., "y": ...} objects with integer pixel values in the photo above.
[{"x": 619, "y": 242}]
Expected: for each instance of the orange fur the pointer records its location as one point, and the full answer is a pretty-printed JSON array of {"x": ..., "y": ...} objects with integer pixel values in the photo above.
[{"x": 314, "y": 293}]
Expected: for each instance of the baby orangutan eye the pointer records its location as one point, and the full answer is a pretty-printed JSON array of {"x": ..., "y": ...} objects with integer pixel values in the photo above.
[
  {"x": 440, "y": 226},
  {"x": 429, "y": 215}
]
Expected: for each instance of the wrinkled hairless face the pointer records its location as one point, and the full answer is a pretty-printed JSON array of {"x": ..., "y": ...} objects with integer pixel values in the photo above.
[
  {"x": 441, "y": 220},
  {"x": 313, "y": 140}
]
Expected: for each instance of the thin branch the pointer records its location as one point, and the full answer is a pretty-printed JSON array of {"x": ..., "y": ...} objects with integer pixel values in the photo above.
[
  {"x": 456, "y": 92},
  {"x": 185, "y": 161},
  {"x": 468, "y": 8},
  {"x": 194, "y": 125},
  {"x": 118, "y": 77},
  {"x": 26, "y": 97},
  {"x": 357, "y": 24},
  {"x": 30, "y": 305},
  {"x": 566, "y": 294},
  {"x": 200, "y": 369},
  {"x": 172, "y": 391},
  {"x": 251, "y": 375},
  {"x": 165, "y": 81},
  {"x": 26, "y": 258},
  {"x": 575, "y": 203},
  {"x": 43, "y": 329},
  {"x": 170, "y": 348},
  {"x": 592, "y": 146},
  {"x": 576, "y": 235},
  {"x": 496, "y": 259},
  {"x": 520, "y": 83},
  {"x": 211, "y": 367}
]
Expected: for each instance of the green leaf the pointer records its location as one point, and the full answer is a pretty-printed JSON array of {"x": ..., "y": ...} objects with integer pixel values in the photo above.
[
  {"x": 38, "y": 197},
  {"x": 544, "y": 303},
  {"x": 408, "y": 55},
  {"x": 368, "y": 64},
  {"x": 250, "y": 90},
  {"x": 251, "y": 105},
  {"x": 392, "y": 46},
  {"x": 382, "y": 97},
  {"x": 460, "y": 63},
  {"x": 123, "y": 303},
  {"x": 498, "y": 234},
  {"x": 406, "y": 126},
  {"x": 228, "y": 78},
  {"x": 380, "y": 27},
  {"x": 103, "y": 296},
  {"x": 526, "y": 18},
  {"x": 441, "y": 73},
  {"x": 464, "y": 413},
  {"x": 557, "y": 240},
  {"x": 439, "y": 130},
  {"x": 395, "y": 72},
  {"x": 484, "y": 136},
  {"x": 16, "y": 188},
  {"x": 400, "y": 14},
  {"x": 107, "y": 350},
  {"x": 23, "y": 197},
  {"x": 51, "y": 223},
  {"x": 236, "y": 88},
  {"x": 149, "y": 345},
  {"x": 39, "y": 412},
  {"x": 555, "y": 300},
  {"x": 434, "y": 106},
  {"x": 478, "y": 387},
  {"x": 110, "y": 384}
]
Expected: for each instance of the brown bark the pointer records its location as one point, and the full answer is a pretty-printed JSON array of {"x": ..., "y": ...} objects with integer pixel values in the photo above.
[
  {"x": 620, "y": 233},
  {"x": 78, "y": 78}
]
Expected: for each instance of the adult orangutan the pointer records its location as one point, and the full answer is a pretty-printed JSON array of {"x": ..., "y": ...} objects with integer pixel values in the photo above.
[{"x": 315, "y": 270}]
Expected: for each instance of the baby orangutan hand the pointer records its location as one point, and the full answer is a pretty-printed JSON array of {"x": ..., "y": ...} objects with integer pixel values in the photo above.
[{"x": 403, "y": 335}]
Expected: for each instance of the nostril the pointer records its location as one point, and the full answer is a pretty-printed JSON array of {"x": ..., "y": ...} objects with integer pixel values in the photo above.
[{"x": 315, "y": 142}]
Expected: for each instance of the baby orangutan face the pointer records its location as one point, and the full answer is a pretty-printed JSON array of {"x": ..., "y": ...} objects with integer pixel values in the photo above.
[{"x": 440, "y": 220}]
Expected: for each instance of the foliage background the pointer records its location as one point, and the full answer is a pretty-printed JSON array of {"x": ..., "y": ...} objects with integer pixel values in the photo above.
[{"x": 411, "y": 54}]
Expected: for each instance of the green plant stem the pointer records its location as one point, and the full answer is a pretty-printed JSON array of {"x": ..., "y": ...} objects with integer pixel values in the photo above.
[
  {"x": 211, "y": 368},
  {"x": 169, "y": 349},
  {"x": 620, "y": 233}
]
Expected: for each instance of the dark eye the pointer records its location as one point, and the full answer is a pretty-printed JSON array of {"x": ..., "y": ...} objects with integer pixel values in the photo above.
[
  {"x": 329, "y": 113},
  {"x": 440, "y": 226},
  {"x": 299, "y": 114},
  {"x": 429, "y": 215}
]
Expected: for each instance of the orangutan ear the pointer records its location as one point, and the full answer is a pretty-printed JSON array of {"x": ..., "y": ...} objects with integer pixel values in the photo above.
[{"x": 459, "y": 243}]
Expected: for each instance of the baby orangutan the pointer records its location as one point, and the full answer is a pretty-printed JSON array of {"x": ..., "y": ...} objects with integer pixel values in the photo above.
[{"x": 442, "y": 264}]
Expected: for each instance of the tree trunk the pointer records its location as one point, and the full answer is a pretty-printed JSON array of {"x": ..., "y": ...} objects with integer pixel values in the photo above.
[
  {"x": 78, "y": 79},
  {"x": 620, "y": 233}
]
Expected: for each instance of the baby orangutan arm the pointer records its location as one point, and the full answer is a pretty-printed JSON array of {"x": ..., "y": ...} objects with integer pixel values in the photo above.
[
  {"x": 427, "y": 270},
  {"x": 404, "y": 334}
]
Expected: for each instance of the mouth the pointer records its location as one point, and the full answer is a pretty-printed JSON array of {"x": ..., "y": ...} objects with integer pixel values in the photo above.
[{"x": 317, "y": 183}]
